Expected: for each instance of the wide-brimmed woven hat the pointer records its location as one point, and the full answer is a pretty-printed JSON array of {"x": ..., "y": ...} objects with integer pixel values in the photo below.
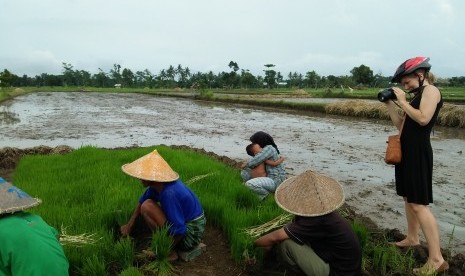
[
  {"x": 13, "y": 199},
  {"x": 151, "y": 167},
  {"x": 309, "y": 194}
]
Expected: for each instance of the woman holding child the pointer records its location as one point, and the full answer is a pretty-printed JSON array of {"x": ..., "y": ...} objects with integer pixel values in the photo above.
[{"x": 262, "y": 186}]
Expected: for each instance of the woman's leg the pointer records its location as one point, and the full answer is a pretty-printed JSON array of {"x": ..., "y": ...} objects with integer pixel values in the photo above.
[
  {"x": 152, "y": 214},
  {"x": 413, "y": 227},
  {"x": 262, "y": 186},
  {"x": 429, "y": 227}
]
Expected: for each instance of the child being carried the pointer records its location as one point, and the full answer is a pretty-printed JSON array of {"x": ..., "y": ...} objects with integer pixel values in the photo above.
[{"x": 260, "y": 170}]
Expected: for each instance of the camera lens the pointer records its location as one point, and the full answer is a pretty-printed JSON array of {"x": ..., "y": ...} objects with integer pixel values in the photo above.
[{"x": 386, "y": 94}]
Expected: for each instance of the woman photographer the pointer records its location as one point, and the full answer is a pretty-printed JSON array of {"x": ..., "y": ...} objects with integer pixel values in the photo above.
[{"x": 415, "y": 172}]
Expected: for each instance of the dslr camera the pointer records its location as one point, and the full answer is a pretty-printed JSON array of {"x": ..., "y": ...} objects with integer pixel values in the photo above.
[{"x": 386, "y": 94}]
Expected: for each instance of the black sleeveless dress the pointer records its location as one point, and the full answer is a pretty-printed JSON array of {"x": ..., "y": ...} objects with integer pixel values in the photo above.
[{"x": 414, "y": 175}]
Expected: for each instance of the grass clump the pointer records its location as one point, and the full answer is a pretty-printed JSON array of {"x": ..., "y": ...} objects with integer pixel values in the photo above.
[
  {"x": 131, "y": 271},
  {"x": 388, "y": 260},
  {"x": 124, "y": 253},
  {"x": 93, "y": 266}
]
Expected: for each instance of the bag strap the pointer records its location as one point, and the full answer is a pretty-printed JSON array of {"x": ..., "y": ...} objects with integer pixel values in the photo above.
[{"x": 402, "y": 126}]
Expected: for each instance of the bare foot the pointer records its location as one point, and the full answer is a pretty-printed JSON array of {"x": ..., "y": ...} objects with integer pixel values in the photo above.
[
  {"x": 173, "y": 256},
  {"x": 405, "y": 243}
]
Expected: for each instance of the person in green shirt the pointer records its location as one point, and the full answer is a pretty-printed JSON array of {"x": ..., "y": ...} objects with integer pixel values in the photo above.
[{"x": 29, "y": 246}]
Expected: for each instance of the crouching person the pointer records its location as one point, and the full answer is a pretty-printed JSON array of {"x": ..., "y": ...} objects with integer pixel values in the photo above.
[
  {"x": 28, "y": 245},
  {"x": 167, "y": 201},
  {"x": 318, "y": 241}
]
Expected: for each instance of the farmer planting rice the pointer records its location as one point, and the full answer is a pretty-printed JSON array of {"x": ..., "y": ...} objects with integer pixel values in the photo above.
[
  {"x": 166, "y": 202},
  {"x": 28, "y": 245},
  {"x": 319, "y": 241}
]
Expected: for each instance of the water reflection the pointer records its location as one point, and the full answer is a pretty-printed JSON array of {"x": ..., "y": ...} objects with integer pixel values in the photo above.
[{"x": 7, "y": 117}]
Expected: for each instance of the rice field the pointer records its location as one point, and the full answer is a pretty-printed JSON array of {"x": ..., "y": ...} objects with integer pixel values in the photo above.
[{"x": 87, "y": 196}]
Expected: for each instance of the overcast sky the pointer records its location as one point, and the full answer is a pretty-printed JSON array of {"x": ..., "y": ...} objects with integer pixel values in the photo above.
[{"x": 328, "y": 36}]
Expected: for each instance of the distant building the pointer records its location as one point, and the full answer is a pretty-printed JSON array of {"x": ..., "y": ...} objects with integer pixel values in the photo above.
[{"x": 118, "y": 85}]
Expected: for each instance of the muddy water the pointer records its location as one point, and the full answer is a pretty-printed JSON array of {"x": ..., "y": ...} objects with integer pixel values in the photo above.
[{"x": 350, "y": 150}]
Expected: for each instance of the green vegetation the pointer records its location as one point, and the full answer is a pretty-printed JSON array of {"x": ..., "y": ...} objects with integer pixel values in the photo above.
[
  {"x": 161, "y": 245},
  {"x": 99, "y": 197},
  {"x": 391, "y": 261},
  {"x": 85, "y": 191}
]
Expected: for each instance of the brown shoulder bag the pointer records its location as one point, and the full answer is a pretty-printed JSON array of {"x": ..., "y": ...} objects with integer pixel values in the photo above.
[{"x": 393, "y": 151}]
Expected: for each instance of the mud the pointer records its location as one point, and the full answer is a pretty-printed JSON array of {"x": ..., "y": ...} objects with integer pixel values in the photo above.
[{"x": 350, "y": 150}]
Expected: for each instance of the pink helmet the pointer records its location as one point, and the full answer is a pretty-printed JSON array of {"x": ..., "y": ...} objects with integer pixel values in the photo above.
[{"x": 409, "y": 66}]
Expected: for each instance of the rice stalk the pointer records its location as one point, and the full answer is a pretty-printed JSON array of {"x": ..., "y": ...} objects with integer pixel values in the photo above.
[
  {"x": 198, "y": 177},
  {"x": 279, "y": 221},
  {"x": 77, "y": 240}
]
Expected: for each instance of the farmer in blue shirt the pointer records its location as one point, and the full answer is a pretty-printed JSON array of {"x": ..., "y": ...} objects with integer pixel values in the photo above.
[{"x": 166, "y": 202}]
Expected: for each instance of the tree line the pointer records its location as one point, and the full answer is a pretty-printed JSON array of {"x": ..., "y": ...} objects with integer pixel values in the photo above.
[{"x": 182, "y": 77}]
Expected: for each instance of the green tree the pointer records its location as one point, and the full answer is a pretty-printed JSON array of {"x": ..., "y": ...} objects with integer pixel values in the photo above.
[
  {"x": 233, "y": 65},
  {"x": 247, "y": 79},
  {"x": 101, "y": 79},
  {"x": 6, "y": 78},
  {"x": 362, "y": 75},
  {"x": 171, "y": 74},
  {"x": 116, "y": 73},
  {"x": 312, "y": 79},
  {"x": 127, "y": 78},
  {"x": 270, "y": 76},
  {"x": 295, "y": 80},
  {"x": 68, "y": 74}
]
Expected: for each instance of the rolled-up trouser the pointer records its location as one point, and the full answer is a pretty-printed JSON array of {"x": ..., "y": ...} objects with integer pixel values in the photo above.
[
  {"x": 301, "y": 258},
  {"x": 262, "y": 186},
  {"x": 194, "y": 233}
]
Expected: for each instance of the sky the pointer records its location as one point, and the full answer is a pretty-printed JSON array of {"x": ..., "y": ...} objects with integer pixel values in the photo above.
[{"x": 330, "y": 37}]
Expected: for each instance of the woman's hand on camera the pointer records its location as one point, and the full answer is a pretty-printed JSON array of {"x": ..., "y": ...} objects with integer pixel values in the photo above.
[{"x": 400, "y": 94}]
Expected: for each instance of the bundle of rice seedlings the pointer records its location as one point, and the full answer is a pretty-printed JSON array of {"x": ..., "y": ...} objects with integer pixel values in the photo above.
[
  {"x": 256, "y": 231},
  {"x": 77, "y": 240}
]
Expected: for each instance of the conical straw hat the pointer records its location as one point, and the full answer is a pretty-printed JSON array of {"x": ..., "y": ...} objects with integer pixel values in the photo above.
[
  {"x": 13, "y": 199},
  {"x": 151, "y": 167},
  {"x": 309, "y": 194}
]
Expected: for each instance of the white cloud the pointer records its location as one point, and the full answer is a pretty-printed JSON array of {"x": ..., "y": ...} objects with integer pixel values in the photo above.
[{"x": 330, "y": 37}]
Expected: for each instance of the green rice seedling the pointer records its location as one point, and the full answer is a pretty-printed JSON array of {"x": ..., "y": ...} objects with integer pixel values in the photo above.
[
  {"x": 390, "y": 261},
  {"x": 123, "y": 252},
  {"x": 159, "y": 268},
  {"x": 361, "y": 232},
  {"x": 93, "y": 266},
  {"x": 449, "y": 243},
  {"x": 161, "y": 243},
  {"x": 131, "y": 271}
]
